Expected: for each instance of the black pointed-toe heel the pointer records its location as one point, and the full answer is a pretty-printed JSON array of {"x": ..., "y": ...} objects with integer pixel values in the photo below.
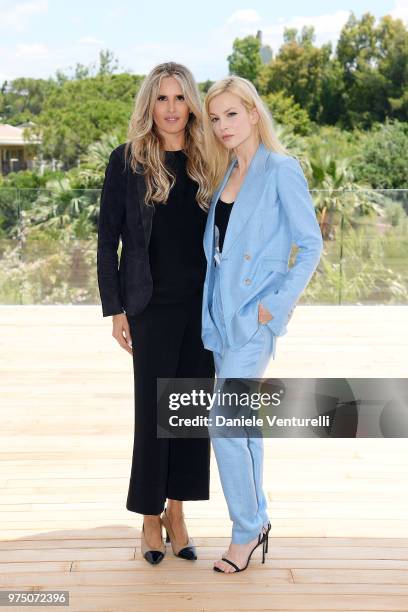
[
  {"x": 184, "y": 552},
  {"x": 262, "y": 539},
  {"x": 153, "y": 556}
]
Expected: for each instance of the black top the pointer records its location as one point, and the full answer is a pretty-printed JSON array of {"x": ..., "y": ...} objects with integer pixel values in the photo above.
[
  {"x": 222, "y": 214},
  {"x": 176, "y": 253}
]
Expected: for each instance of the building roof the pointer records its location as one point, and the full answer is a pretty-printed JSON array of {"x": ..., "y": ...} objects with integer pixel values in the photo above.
[{"x": 13, "y": 135}]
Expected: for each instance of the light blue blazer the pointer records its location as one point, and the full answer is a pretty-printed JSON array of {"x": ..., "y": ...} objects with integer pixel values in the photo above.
[{"x": 273, "y": 211}]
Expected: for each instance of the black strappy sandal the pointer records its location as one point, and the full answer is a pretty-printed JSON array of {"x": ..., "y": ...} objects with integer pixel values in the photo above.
[
  {"x": 262, "y": 539},
  {"x": 267, "y": 535}
]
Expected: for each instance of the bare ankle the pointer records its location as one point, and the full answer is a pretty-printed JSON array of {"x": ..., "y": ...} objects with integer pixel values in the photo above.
[
  {"x": 174, "y": 510},
  {"x": 151, "y": 519}
]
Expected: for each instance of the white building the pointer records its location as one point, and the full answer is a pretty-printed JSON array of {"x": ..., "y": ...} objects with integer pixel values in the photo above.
[{"x": 16, "y": 151}]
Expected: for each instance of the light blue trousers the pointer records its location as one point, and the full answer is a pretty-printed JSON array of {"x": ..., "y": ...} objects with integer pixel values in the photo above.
[{"x": 240, "y": 459}]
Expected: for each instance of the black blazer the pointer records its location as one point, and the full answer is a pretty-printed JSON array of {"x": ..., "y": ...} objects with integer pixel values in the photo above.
[{"x": 123, "y": 215}]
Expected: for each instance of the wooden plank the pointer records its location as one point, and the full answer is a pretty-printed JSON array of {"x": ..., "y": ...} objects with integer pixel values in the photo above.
[{"x": 338, "y": 507}]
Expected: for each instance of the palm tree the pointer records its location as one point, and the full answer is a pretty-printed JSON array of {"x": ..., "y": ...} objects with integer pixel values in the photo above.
[
  {"x": 337, "y": 197},
  {"x": 95, "y": 160}
]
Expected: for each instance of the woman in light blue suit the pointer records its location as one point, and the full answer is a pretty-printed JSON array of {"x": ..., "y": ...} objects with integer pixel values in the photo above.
[{"x": 262, "y": 197}]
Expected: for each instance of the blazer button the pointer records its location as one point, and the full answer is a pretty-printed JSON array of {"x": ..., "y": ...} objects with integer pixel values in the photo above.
[
  {"x": 247, "y": 281},
  {"x": 247, "y": 256}
]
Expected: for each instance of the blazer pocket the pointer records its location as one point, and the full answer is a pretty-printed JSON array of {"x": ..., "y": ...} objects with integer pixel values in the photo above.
[
  {"x": 271, "y": 264},
  {"x": 278, "y": 268}
]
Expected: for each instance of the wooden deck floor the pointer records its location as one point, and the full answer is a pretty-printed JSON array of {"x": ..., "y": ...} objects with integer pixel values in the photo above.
[{"x": 339, "y": 508}]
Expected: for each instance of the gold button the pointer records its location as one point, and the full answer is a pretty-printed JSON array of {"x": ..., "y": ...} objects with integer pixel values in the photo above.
[
  {"x": 247, "y": 256},
  {"x": 248, "y": 281}
]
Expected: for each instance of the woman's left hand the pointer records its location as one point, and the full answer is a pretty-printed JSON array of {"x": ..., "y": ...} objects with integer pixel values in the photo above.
[{"x": 264, "y": 316}]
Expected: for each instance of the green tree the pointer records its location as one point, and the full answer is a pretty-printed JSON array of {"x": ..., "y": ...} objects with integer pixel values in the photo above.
[
  {"x": 393, "y": 64},
  {"x": 108, "y": 64},
  {"x": 22, "y": 99},
  {"x": 300, "y": 70},
  {"x": 80, "y": 112},
  {"x": 285, "y": 111},
  {"x": 374, "y": 61},
  {"x": 337, "y": 198},
  {"x": 205, "y": 86},
  {"x": 245, "y": 59},
  {"x": 91, "y": 172},
  {"x": 383, "y": 156}
]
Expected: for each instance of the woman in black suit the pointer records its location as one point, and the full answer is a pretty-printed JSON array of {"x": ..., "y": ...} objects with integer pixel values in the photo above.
[{"x": 155, "y": 198}]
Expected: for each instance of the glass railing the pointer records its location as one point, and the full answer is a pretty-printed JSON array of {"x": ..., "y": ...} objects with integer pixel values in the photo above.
[{"x": 48, "y": 247}]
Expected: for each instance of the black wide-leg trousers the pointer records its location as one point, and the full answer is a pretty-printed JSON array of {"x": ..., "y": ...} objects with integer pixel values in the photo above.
[{"x": 166, "y": 341}]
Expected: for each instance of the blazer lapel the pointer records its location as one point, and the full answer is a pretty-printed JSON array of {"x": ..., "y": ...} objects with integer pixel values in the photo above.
[
  {"x": 146, "y": 212},
  {"x": 209, "y": 228},
  {"x": 247, "y": 198}
]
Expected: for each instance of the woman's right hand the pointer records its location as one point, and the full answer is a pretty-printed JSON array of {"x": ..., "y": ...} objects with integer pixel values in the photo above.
[{"x": 121, "y": 331}]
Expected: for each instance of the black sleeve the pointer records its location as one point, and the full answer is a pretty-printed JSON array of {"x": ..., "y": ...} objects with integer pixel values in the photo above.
[{"x": 111, "y": 219}]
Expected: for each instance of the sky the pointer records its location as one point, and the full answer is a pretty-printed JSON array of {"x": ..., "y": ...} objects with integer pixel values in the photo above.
[{"x": 38, "y": 37}]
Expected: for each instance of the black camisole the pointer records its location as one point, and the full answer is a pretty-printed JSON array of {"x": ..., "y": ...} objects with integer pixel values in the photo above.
[{"x": 222, "y": 215}]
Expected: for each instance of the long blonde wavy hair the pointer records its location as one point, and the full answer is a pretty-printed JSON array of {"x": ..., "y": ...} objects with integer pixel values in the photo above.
[
  {"x": 147, "y": 155},
  {"x": 219, "y": 157}
]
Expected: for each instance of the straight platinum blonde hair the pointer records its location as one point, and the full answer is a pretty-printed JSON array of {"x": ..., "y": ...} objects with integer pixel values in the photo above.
[
  {"x": 147, "y": 155},
  {"x": 219, "y": 157}
]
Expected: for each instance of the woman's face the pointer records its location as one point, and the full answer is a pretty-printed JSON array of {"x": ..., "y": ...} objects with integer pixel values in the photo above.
[
  {"x": 170, "y": 112},
  {"x": 231, "y": 122}
]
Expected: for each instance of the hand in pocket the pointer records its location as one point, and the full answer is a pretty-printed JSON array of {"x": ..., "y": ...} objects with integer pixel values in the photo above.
[{"x": 264, "y": 316}]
